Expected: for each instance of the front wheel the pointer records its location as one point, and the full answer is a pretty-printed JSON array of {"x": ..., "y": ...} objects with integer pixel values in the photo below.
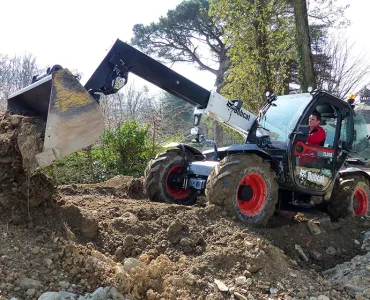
[
  {"x": 163, "y": 179},
  {"x": 351, "y": 197},
  {"x": 245, "y": 186}
]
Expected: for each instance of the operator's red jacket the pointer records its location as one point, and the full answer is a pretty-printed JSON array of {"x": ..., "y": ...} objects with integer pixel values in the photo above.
[{"x": 316, "y": 136}]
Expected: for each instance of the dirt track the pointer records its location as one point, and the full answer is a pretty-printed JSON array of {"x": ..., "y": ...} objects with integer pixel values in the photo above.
[{"x": 89, "y": 236}]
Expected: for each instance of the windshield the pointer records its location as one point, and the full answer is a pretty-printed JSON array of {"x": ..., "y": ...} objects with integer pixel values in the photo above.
[{"x": 281, "y": 117}]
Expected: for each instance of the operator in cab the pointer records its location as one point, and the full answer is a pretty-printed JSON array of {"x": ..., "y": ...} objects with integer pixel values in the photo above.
[{"x": 317, "y": 134}]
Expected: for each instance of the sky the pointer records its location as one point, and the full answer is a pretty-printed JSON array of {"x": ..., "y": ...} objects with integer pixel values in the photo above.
[{"x": 77, "y": 34}]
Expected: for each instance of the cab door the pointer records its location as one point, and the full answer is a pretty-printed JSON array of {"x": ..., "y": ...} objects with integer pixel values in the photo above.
[{"x": 314, "y": 167}]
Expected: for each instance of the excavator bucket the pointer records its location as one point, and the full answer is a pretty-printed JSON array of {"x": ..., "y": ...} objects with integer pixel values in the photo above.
[{"x": 73, "y": 118}]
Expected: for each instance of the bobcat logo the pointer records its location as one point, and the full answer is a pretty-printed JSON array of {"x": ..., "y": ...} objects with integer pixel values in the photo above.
[
  {"x": 303, "y": 173},
  {"x": 311, "y": 176}
]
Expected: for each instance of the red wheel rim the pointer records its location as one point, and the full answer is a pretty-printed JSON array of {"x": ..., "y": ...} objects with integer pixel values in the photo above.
[
  {"x": 360, "y": 202},
  {"x": 251, "y": 194},
  {"x": 175, "y": 192}
]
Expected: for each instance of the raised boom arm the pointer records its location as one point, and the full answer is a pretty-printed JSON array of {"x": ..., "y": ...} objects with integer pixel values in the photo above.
[{"x": 112, "y": 73}]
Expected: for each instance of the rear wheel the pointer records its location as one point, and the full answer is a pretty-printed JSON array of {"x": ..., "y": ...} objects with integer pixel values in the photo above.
[
  {"x": 351, "y": 197},
  {"x": 245, "y": 186},
  {"x": 163, "y": 179}
]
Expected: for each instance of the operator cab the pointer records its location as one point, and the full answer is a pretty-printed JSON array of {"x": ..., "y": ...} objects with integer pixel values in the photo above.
[
  {"x": 282, "y": 130},
  {"x": 314, "y": 166}
]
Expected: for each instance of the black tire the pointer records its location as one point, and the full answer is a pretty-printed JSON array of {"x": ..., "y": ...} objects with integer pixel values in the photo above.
[
  {"x": 350, "y": 197},
  {"x": 224, "y": 188},
  {"x": 158, "y": 181}
]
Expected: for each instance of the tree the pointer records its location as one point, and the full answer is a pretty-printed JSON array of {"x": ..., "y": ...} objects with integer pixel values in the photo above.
[
  {"x": 305, "y": 60},
  {"x": 343, "y": 72},
  {"x": 125, "y": 105},
  {"x": 262, "y": 38},
  {"x": 187, "y": 34},
  {"x": 178, "y": 115},
  {"x": 261, "y": 43},
  {"x": 16, "y": 72}
]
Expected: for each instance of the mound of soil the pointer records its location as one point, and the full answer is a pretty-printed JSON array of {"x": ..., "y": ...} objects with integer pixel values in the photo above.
[
  {"x": 97, "y": 235},
  {"x": 21, "y": 138}
]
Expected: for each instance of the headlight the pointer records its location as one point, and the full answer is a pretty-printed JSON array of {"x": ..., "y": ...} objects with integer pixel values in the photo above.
[
  {"x": 194, "y": 131},
  {"x": 261, "y": 132}
]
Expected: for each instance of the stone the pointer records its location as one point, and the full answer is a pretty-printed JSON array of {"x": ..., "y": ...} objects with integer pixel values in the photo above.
[
  {"x": 249, "y": 281},
  {"x": 313, "y": 227},
  {"x": 31, "y": 292},
  {"x": 263, "y": 286},
  {"x": 114, "y": 294},
  {"x": 50, "y": 296},
  {"x": 316, "y": 255},
  {"x": 331, "y": 251},
  {"x": 301, "y": 294},
  {"x": 185, "y": 241},
  {"x": 221, "y": 286},
  {"x": 323, "y": 297},
  {"x": 189, "y": 278},
  {"x": 64, "y": 284},
  {"x": 99, "y": 294},
  {"x": 35, "y": 250},
  {"x": 68, "y": 296},
  {"x": 48, "y": 262},
  {"x": 240, "y": 296},
  {"x": 131, "y": 263},
  {"x": 301, "y": 253},
  {"x": 273, "y": 291},
  {"x": 29, "y": 283},
  {"x": 174, "y": 228},
  {"x": 241, "y": 280},
  {"x": 128, "y": 241}
]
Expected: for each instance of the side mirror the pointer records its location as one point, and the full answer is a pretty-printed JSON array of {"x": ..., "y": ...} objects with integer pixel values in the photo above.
[{"x": 197, "y": 118}]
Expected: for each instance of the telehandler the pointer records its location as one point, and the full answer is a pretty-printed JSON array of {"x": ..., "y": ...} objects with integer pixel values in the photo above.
[{"x": 268, "y": 172}]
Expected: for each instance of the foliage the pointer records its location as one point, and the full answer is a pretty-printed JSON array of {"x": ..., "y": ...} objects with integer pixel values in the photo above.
[
  {"x": 188, "y": 34},
  {"x": 72, "y": 169},
  {"x": 16, "y": 72},
  {"x": 260, "y": 35},
  {"x": 178, "y": 115},
  {"x": 178, "y": 36},
  {"x": 124, "y": 151}
]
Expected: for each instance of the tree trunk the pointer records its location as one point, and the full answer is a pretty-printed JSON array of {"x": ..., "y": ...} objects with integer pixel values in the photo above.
[
  {"x": 220, "y": 82},
  {"x": 91, "y": 162},
  {"x": 261, "y": 44},
  {"x": 306, "y": 70}
]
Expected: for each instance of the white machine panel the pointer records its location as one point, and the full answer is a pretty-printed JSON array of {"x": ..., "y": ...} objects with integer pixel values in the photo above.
[{"x": 223, "y": 110}]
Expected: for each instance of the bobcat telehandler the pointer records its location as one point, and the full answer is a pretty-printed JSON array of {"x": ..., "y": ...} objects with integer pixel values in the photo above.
[{"x": 274, "y": 170}]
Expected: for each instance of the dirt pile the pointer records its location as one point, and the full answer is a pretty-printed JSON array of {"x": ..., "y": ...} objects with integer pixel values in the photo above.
[
  {"x": 354, "y": 275},
  {"x": 21, "y": 138},
  {"x": 99, "y": 236}
]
